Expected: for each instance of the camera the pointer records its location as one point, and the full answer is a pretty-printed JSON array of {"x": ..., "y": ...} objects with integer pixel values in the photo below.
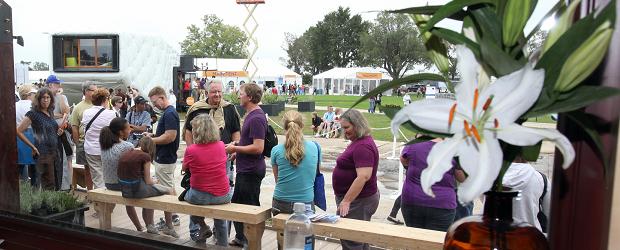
[{"x": 136, "y": 137}]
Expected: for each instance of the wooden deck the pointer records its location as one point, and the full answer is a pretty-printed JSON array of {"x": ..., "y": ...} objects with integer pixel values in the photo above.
[{"x": 122, "y": 224}]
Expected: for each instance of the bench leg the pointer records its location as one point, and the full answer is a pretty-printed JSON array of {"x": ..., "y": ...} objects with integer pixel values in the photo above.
[
  {"x": 104, "y": 210},
  {"x": 280, "y": 238},
  {"x": 254, "y": 234}
]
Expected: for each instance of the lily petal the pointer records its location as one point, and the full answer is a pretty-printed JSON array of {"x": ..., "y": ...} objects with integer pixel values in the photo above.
[
  {"x": 439, "y": 162},
  {"x": 429, "y": 114},
  {"x": 468, "y": 69},
  {"x": 481, "y": 180},
  {"x": 523, "y": 136},
  {"x": 515, "y": 93}
]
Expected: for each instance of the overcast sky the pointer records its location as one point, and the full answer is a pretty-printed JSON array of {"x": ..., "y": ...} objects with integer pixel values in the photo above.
[{"x": 35, "y": 19}]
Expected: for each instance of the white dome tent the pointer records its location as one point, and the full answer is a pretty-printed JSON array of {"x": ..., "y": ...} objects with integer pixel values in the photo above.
[{"x": 350, "y": 81}]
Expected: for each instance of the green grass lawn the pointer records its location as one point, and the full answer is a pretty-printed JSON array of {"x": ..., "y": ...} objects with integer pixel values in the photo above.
[
  {"x": 343, "y": 101},
  {"x": 375, "y": 121}
]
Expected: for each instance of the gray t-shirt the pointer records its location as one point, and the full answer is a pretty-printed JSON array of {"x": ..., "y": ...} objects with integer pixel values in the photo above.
[
  {"x": 109, "y": 159},
  {"x": 57, "y": 106}
]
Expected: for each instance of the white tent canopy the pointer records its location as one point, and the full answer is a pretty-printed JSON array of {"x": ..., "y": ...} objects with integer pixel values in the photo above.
[
  {"x": 231, "y": 70},
  {"x": 349, "y": 81}
]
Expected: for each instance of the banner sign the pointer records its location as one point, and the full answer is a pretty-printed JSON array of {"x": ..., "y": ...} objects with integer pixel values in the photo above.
[
  {"x": 213, "y": 73},
  {"x": 364, "y": 75}
]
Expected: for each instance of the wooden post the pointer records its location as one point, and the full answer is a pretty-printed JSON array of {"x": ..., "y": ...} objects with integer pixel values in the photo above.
[
  {"x": 9, "y": 184},
  {"x": 280, "y": 238},
  {"x": 254, "y": 234},
  {"x": 581, "y": 195},
  {"x": 104, "y": 210}
]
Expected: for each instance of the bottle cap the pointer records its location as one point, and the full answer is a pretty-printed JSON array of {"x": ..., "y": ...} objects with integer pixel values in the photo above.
[{"x": 299, "y": 207}]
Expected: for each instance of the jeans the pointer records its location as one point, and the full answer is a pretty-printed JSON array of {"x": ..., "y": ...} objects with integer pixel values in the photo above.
[
  {"x": 197, "y": 197},
  {"x": 247, "y": 191},
  {"x": 428, "y": 217},
  {"x": 395, "y": 207},
  {"x": 360, "y": 209}
]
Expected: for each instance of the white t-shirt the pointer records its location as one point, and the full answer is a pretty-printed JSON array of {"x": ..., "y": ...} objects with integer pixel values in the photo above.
[
  {"x": 91, "y": 138},
  {"x": 21, "y": 108},
  {"x": 172, "y": 100},
  {"x": 523, "y": 177}
]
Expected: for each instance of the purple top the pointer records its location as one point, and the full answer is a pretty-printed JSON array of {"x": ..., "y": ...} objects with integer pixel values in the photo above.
[
  {"x": 254, "y": 127},
  {"x": 360, "y": 153},
  {"x": 444, "y": 190}
]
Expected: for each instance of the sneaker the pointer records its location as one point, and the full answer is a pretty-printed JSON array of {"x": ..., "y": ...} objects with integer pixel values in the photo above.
[
  {"x": 201, "y": 235},
  {"x": 394, "y": 220},
  {"x": 161, "y": 224},
  {"x": 176, "y": 220},
  {"x": 170, "y": 231},
  {"x": 150, "y": 228}
]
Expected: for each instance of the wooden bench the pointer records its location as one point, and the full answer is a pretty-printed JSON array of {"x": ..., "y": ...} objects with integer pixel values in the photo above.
[
  {"x": 375, "y": 233},
  {"x": 252, "y": 217}
]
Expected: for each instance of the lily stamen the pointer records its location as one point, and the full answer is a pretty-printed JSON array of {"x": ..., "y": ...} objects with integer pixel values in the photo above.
[
  {"x": 467, "y": 130},
  {"x": 475, "y": 131},
  {"x": 451, "y": 117},
  {"x": 496, "y": 123},
  {"x": 475, "y": 99},
  {"x": 487, "y": 103}
]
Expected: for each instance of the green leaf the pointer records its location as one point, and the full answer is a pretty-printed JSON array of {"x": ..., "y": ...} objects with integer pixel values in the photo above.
[
  {"x": 429, "y": 10},
  {"x": 487, "y": 23},
  {"x": 551, "y": 12},
  {"x": 579, "y": 97},
  {"x": 452, "y": 8},
  {"x": 585, "y": 121},
  {"x": 396, "y": 83},
  {"x": 499, "y": 61},
  {"x": 457, "y": 38},
  {"x": 531, "y": 153}
]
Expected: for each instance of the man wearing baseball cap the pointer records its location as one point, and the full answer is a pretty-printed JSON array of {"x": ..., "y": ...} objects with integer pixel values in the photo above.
[
  {"x": 139, "y": 119},
  {"x": 61, "y": 114}
]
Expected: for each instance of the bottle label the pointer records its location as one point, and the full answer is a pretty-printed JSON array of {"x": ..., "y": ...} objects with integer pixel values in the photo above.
[{"x": 309, "y": 243}]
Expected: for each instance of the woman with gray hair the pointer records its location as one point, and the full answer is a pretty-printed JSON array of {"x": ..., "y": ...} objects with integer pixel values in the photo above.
[
  {"x": 208, "y": 181},
  {"x": 355, "y": 176}
]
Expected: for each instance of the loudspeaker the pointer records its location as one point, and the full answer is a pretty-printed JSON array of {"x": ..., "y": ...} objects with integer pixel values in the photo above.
[{"x": 187, "y": 63}]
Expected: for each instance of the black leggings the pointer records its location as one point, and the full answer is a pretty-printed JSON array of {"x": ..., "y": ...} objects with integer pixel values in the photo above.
[{"x": 247, "y": 191}]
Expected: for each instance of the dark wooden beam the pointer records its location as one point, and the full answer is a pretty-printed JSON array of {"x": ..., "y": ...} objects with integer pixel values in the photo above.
[
  {"x": 581, "y": 195},
  {"x": 9, "y": 186}
]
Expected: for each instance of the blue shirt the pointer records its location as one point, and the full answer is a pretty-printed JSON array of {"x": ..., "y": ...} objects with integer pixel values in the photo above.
[
  {"x": 295, "y": 184},
  {"x": 328, "y": 116},
  {"x": 169, "y": 120}
]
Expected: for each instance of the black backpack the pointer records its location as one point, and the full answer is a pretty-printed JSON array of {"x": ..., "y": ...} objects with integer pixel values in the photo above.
[
  {"x": 542, "y": 218},
  {"x": 271, "y": 140}
]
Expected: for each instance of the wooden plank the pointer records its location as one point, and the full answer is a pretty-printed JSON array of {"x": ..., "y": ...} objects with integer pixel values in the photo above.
[
  {"x": 235, "y": 212},
  {"x": 379, "y": 234}
]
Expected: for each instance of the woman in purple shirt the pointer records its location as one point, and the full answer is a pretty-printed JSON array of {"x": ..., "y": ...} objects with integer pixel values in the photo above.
[
  {"x": 355, "y": 176},
  {"x": 420, "y": 210}
]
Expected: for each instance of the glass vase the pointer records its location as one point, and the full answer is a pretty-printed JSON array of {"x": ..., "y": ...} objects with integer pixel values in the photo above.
[{"x": 494, "y": 229}]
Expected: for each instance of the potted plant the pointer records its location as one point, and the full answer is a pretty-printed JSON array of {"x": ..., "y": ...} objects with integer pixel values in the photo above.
[
  {"x": 53, "y": 205},
  {"x": 306, "y": 106},
  {"x": 269, "y": 105},
  {"x": 234, "y": 99}
]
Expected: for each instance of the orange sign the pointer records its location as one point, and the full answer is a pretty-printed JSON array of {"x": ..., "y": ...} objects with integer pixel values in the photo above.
[
  {"x": 250, "y": 1},
  {"x": 212, "y": 73},
  {"x": 364, "y": 75}
]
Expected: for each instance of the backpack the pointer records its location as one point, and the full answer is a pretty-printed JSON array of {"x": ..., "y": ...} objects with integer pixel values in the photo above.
[{"x": 271, "y": 140}]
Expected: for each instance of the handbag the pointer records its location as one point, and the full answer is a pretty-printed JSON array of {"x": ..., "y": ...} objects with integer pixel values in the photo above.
[{"x": 319, "y": 184}]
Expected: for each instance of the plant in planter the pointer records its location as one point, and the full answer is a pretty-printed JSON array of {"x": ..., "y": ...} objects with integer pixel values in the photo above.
[
  {"x": 269, "y": 104},
  {"x": 234, "y": 99},
  {"x": 55, "y": 205}
]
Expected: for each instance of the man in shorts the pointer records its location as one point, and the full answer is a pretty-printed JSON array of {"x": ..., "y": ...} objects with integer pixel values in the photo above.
[{"x": 166, "y": 139}]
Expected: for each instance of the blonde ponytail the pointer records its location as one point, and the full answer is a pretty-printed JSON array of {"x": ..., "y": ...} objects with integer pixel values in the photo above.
[{"x": 294, "y": 142}]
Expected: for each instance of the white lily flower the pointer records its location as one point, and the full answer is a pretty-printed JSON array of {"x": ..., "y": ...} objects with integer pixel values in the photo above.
[{"x": 480, "y": 116}]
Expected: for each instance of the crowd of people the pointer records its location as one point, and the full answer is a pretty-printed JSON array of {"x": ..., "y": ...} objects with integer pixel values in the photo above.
[{"x": 224, "y": 160}]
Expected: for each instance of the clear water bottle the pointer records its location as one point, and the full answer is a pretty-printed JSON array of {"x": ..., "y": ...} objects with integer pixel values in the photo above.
[{"x": 298, "y": 230}]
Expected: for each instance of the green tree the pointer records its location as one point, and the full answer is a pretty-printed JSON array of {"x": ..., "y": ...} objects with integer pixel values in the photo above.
[
  {"x": 393, "y": 43},
  {"x": 40, "y": 66},
  {"x": 297, "y": 52},
  {"x": 214, "y": 39}
]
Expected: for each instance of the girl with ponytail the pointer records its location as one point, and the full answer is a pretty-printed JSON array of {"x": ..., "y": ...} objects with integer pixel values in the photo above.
[{"x": 294, "y": 165}]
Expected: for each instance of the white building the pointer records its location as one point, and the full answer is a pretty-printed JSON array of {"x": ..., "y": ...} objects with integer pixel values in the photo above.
[
  {"x": 350, "y": 81},
  {"x": 231, "y": 72}
]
